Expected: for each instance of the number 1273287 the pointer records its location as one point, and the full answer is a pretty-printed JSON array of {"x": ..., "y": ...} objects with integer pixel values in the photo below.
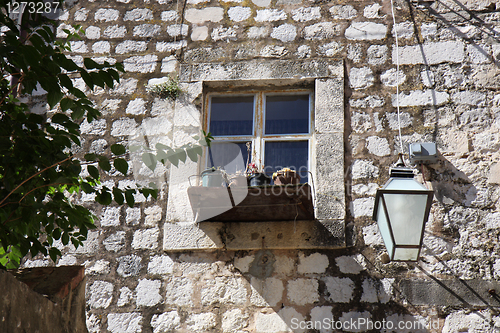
[{"x": 33, "y": 7}]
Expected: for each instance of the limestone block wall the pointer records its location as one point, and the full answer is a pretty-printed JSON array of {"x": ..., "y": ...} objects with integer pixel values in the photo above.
[{"x": 448, "y": 92}]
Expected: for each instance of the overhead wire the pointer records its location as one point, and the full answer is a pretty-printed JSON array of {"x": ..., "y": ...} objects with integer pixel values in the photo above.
[{"x": 397, "y": 75}]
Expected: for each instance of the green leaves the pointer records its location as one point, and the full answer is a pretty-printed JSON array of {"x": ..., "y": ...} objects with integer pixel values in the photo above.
[
  {"x": 104, "y": 163},
  {"x": 118, "y": 195},
  {"x": 117, "y": 149},
  {"x": 121, "y": 165},
  {"x": 92, "y": 170},
  {"x": 150, "y": 160}
]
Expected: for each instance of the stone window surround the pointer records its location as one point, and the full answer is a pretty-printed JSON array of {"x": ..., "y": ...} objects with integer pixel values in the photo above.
[{"x": 328, "y": 231}]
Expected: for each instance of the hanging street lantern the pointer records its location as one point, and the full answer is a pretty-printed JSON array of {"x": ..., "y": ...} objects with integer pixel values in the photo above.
[{"x": 402, "y": 207}]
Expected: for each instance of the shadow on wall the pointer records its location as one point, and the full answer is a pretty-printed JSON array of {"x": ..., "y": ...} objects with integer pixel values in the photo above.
[{"x": 312, "y": 295}]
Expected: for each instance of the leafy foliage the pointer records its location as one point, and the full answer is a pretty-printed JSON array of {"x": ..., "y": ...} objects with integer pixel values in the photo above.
[
  {"x": 38, "y": 172},
  {"x": 169, "y": 89}
]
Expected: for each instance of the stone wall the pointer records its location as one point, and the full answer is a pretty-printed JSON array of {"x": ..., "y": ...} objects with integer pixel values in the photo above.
[
  {"x": 448, "y": 82},
  {"x": 43, "y": 299}
]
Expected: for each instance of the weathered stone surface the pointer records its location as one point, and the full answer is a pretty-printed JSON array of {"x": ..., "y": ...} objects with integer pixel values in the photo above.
[
  {"x": 350, "y": 264},
  {"x": 361, "y": 78},
  {"x": 270, "y": 15},
  {"x": 106, "y": 14},
  {"x": 111, "y": 217},
  {"x": 128, "y": 322},
  {"x": 304, "y": 14},
  {"x": 320, "y": 31},
  {"x": 404, "y": 30},
  {"x": 146, "y": 30},
  {"x": 201, "y": 322},
  {"x": 115, "y": 31},
  {"x": 430, "y": 292},
  {"x": 148, "y": 292},
  {"x": 146, "y": 239},
  {"x": 371, "y": 235},
  {"x": 177, "y": 30},
  {"x": 430, "y": 53},
  {"x": 223, "y": 290},
  {"x": 101, "y": 47},
  {"x": 279, "y": 235},
  {"x": 266, "y": 292},
  {"x": 133, "y": 216},
  {"x": 362, "y": 207},
  {"x": 141, "y": 64},
  {"x": 179, "y": 291},
  {"x": 185, "y": 236},
  {"x": 302, "y": 291},
  {"x": 138, "y": 14},
  {"x": 272, "y": 69},
  {"x": 392, "y": 78},
  {"x": 377, "y": 54},
  {"x": 99, "y": 267},
  {"x": 366, "y": 31},
  {"x": 129, "y": 46},
  {"x": 96, "y": 127},
  {"x": 136, "y": 107},
  {"x": 125, "y": 87},
  {"x": 165, "y": 322},
  {"x": 339, "y": 289},
  {"x": 285, "y": 32},
  {"x": 315, "y": 263},
  {"x": 420, "y": 98},
  {"x": 234, "y": 320},
  {"x": 329, "y": 105},
  {"x": 238, "y": 13},
  {"x": 378, "y": 146},
  {"x": 115, "y": 242},
  {"x": 209, "y": 14},
  {"x": 169, "y": 15},
  {"x": 126, "y": 295},
  {"x": 101, "y": 294},
  {"x": 343, "y": 12},
  {"x": 128, "y": 265}
]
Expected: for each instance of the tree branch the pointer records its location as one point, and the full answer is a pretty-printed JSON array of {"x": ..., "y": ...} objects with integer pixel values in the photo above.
[{"x": 36, "y": 174}]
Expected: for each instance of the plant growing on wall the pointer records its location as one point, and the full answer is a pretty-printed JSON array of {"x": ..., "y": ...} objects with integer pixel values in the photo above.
[
  {"x": 167, "y": 89},
  {"x": 38, "y": 169}
]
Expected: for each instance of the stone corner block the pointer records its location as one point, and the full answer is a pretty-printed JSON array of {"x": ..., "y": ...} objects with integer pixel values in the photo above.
[
  {"x": 329, "y": 105},
  {"x": 192, "y": 236}
]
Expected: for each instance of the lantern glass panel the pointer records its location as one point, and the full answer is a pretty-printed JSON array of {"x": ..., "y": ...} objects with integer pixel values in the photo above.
[
  {"x": 383, "y": 227},
  {"x": 406, "y": 215},
  {"x": 403, "y": 254}
]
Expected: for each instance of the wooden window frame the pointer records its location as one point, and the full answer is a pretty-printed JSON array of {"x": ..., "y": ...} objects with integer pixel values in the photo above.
[{"x": 258, "y": 137}]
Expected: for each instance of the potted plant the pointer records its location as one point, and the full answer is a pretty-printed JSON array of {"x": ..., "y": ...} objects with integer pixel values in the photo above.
[
  {"x": 255, "y": 175},
  {"x": 213, "y": 177},
  {"x": 238, "y": 179},
  {"x": 286, "y": 176}
]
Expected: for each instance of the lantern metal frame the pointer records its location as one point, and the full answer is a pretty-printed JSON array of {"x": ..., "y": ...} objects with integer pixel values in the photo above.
[{"x": 401, "y": 172}]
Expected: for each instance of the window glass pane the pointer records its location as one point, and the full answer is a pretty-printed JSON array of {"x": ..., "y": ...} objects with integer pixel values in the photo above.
[
  {"x": 287, "y": 154},
  {"x": 231, "y": 115},
  {"x": 230, "y": 156},
  {"x": 287, "y": 114}
]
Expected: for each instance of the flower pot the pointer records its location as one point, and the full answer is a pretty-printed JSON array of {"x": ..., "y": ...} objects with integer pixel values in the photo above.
[
  {"x": 238, "y": 181},
  {"x": 211, "y": 178},
  {"x": 286, "y": 177},
  {"x": 258, "y": 179}
]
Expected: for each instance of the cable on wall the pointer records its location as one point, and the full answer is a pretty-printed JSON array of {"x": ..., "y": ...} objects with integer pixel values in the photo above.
[{"x": 397, "y": 75}]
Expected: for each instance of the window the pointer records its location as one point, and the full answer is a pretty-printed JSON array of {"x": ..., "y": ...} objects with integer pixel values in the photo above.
[{"x": 278, "y": 125}]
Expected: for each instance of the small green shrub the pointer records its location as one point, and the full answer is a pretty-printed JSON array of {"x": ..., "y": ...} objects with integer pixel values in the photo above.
[{"x": 169, "y": 89}]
